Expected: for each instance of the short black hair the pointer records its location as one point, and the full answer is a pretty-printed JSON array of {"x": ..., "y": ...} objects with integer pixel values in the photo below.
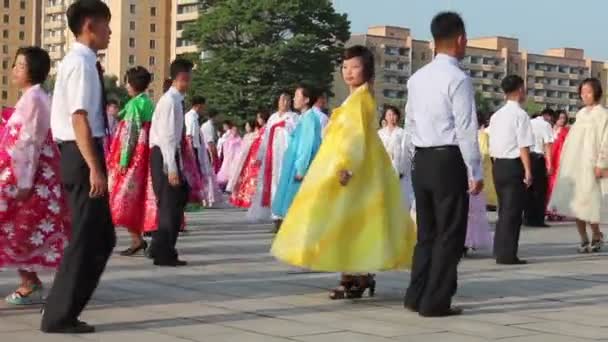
[
  {"x": 511, "y": 83},
  {"x": 112, "y": 102},
  {"x": 167, "y": 84},
  {"x": 394, "y": 109},
  {"x": 596, "y": 85},
  {"x": 310, "y": 92},
  {"x": 198, "y": 100},
  {"x": 180, "y": 65},
  {"x": 138, "y": 78},
  {"x": 228, "y": 123},
  {"x": 447, "y": 25},
  {"x": 264, "y": 114},
  {"x": 367, "y": 59},
  {"x": 211, "y": 113},
  {"x": 81, "y": 10},
  {"x": 252, "y": 123},
  {"x": 38, "y": 63},
  {"x": 547, "y": 111}
]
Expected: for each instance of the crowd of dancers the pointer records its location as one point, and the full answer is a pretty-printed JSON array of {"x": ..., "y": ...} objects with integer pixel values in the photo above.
[{"x": 344, "y": 196}]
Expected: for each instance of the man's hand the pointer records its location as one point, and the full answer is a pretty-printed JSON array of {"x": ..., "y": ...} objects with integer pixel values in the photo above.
[
  {"x": 528, "y": 179},
  {"x": 174, "y": 179},
  {"x": 99, "y": 183},
  {"x": 23, "y": 194},
  {"x": 299, "y": 178},
  {"x": 475, "y": 186},
  {"x": 345, "y": 177}
]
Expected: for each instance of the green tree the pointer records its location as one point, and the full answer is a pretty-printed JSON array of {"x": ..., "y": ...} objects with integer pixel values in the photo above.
[
  {"x": 113, "y": 89},
  {"x": 256, "y": 48},
  {"x": 484, "y": 105},
  {"x": 533, "y": 107}
]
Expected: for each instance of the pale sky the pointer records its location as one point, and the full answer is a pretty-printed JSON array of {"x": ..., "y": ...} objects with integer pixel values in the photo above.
[{"x": 539, "y": 24}]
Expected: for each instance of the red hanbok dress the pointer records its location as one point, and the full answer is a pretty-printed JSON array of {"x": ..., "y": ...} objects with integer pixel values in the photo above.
[
  {"x": 556, "y": 153},
  {"x": 33, "y": 231},
  {"x": 246, "y": 184},
  {"x": 132, "y": 199}
]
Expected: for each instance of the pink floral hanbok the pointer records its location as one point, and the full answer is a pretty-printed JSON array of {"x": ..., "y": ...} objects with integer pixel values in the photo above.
[{"x": 34, "y": 231}]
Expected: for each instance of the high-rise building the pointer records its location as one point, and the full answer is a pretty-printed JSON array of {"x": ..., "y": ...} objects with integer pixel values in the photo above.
[
  {"x": 19, "y": 26},
  {"x": 552, "y": 78},
  {"x": 185, "y": 12}
]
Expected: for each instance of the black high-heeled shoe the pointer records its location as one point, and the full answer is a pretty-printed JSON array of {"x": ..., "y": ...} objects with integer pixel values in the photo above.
[
  {"x": 341, "y": 292},
  {"x": 134, "y": 250},
  {"x": 363, "y": 283}
]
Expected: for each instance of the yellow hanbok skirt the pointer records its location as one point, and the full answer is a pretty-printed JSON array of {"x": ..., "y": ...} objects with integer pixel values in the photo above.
[
  {"x": 488, "y": 179},
  {"x": 360, "y": 227}
]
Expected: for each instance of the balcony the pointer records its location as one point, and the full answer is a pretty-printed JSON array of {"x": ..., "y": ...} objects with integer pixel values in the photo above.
[
  {"x": 188, "y": 2},
  {"x": 539, "y": 73},
  {"x": 58, "y": 39},
  {"x": 576, "y": 77},
  {"x": 57, "y": 9},
  {"x": 55, "y": 55},
  {"x": 187, "y": 16},
  {"x": 54, "y": 25}
]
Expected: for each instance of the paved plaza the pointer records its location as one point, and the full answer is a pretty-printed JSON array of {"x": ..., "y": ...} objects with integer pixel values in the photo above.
[{"x": 234, "y": 290}]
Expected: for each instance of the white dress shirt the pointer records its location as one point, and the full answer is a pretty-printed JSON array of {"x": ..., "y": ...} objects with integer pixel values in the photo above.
[
  {"x": 192, "y": 128},
  {"x": 393, "y": 143},
  {"x": 167, "y": 127},
  {"x": 543, "y": 134},
  {"x": 440, "y": 110},
  {"x": 208, "y": 130},
  {"x": 322, "y": 117},
  {"x": 509, "y": 131},
  {"x": 77, "y": 88}
]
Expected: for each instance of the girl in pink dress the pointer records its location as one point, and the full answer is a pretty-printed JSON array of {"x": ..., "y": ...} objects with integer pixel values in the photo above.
[
  {"x": 230, "y": 151},
  {"x": 34, "y": 218}
]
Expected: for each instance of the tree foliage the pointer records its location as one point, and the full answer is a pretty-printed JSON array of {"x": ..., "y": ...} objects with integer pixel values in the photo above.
[
  {"x": 484, "y": 105},
  {"x": 114, "y": 91},
  {"x": 256, "y": 48}
]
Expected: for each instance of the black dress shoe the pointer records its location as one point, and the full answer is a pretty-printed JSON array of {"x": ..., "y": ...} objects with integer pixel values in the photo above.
[
  {"x": 410, "y": 308},
  {"x": 170, "y": 263},
  {"x": 453, "y": 311},
  {"x": 134, "y": 250},
  {"x": 77, "y": 328},
  {"x": 517, "y": 261}
]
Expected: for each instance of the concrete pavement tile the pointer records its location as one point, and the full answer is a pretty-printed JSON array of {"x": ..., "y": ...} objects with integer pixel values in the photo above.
[
  {"x": 545, "y": 338},
  {"x": 441, "y": 337},
  {"x": 278, "y": 327},
  {"x": 341, "y": 336},
  {"x": 37, "y": 336},
  {"x": 133, "y": 335},
  {"x": 568, "y": 329}
]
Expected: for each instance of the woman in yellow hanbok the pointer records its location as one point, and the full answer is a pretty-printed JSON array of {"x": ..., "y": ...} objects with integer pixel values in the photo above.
[
  {"x": 348, "y": 214},
  {"x": 486, "y": 162}
]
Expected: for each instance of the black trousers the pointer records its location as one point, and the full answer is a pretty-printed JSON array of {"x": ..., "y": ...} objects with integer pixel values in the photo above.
[
  {"x": 442, "y": 202},
  {"x": 92, "y": 241},
  {"x": 511, "y": 192},
  {"x": 171, "y": 202},
  {"x": 536, "y": 195}
]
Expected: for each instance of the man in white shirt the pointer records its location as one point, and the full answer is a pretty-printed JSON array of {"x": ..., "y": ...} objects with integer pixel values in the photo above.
[
  {"x": 319, "y": 108},
  {"x": 441, "y": 121},
  {"x": 79, "y": 125},
  {"x": 193, "y": 127},
  {"x": 540, "y": 158},
  {"x": 210, "y": 138},
  {"x": 170, "y": 187},
  {"x": 510, "y": 140}
]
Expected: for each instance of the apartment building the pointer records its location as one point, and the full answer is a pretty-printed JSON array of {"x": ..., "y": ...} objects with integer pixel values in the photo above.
[
  {"x": 185, "y": 12},
  {"x": 19, "y": 26},
  {"x": 552, "y": 78}
]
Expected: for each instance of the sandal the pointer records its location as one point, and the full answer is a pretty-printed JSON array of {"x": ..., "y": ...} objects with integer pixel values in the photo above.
[
  {"x": 366, "y": 282},
  {"x": 343, "y": 289},
  {"x": 134, "y": 250},
  {"x": 32, "y": 298}
]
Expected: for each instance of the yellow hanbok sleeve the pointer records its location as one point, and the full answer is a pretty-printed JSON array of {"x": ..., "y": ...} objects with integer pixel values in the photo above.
[{"x": 350, "y": 126}]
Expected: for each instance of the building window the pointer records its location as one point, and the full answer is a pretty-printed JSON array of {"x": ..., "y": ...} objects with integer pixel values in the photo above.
[
  {"x": 22, "y": 4},
  {"x": 152, "y": 27},
  {"x": 132, "y": 9},
  {"x": 152, "y": 77},
  {"x": 152, "y": 44},
  {"x": 423, "y": 56},
  {"x": 4, "y": 80},
  {"x": 4, "y": 95},
  {"x": 152, "y": 60},
  {"x": 132, "y": 26},
  {"x": 22, "y": 20},
  {"x": 131, "y": 59},
  {"x": 5, "y": 34},
  {"x": 132, "y": 42},
  {"x": 6, "y": 3},
  {"x": 6, "y": 18},
  {"x": 5, "y": 49},
  {"x": 21, "y": 35},
  {"x": 153, "y": 11}
]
